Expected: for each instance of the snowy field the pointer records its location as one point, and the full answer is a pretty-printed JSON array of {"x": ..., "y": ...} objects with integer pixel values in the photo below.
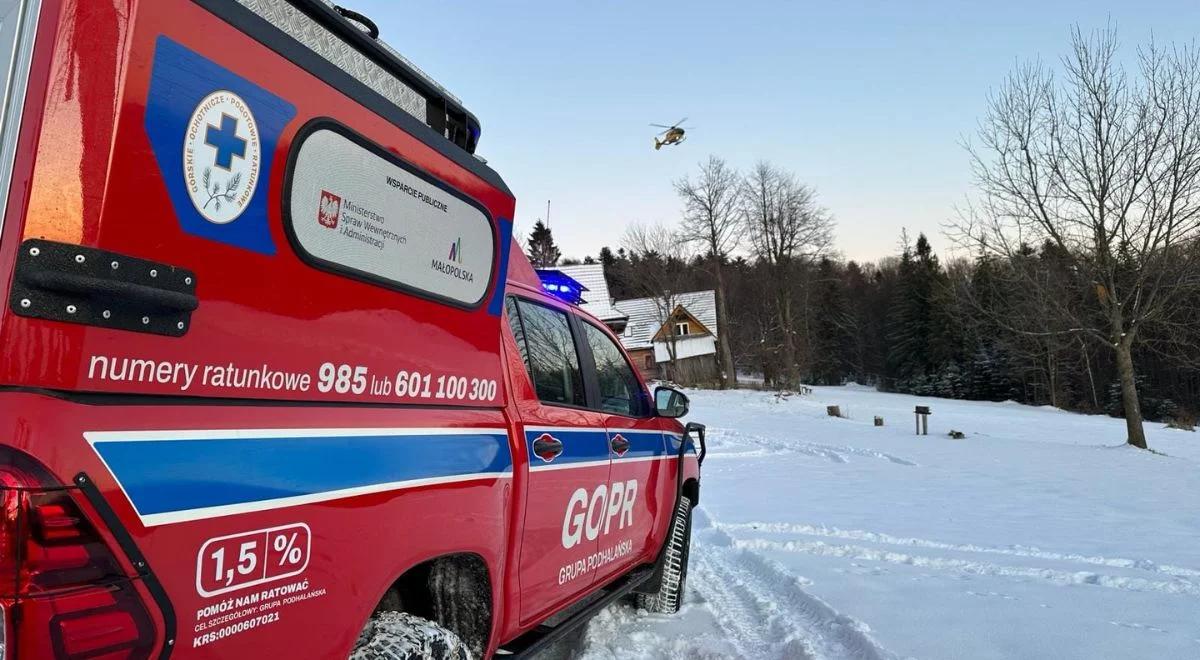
[{"x": 1037, "y": 536}]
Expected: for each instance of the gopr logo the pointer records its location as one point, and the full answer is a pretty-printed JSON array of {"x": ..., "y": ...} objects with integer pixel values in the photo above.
[
  {"x": 221, "y": 157},
  {"x": 591, "y": 515},
  {"x": 213, "y": 134}
]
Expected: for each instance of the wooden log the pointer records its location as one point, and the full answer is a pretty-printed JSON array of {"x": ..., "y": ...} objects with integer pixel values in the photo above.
[
  {"x": 878, "y": 421},
  {"x": 833, "y": 411}
]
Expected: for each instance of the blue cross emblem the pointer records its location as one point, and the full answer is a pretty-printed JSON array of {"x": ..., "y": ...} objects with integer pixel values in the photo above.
[{"x": 225, "y": 141}]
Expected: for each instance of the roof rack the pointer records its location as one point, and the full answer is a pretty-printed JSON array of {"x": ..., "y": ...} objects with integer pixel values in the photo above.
[{"x": 374, "y": 64}]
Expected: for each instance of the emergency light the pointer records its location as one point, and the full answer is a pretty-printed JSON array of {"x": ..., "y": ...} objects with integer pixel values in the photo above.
[{"x": 561, "y": 286}]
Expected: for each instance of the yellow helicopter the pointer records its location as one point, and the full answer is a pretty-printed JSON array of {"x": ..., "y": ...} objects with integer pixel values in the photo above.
[{"x": 672, "y": 135}]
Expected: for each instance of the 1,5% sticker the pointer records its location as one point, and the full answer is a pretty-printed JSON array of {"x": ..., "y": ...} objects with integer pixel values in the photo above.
[{"x": 237, "y": 561}]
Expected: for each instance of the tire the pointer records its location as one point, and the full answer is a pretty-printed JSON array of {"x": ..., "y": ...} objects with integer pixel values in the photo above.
[
  {"x": 401, "y": 636},
  {"x": 669, "y": 597}
]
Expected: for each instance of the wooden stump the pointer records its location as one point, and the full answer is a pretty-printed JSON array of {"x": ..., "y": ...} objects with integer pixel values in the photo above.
[
  {"x": 833, "y": 411},
  {"x": 878, "y": 421}
]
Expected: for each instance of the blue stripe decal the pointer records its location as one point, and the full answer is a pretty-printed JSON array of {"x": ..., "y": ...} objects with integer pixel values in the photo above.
[
  {"x": 179, "y": 81},
  {"x": 505, "y": 227},
  {"x": 674, "y": 442},
  {"x": 578, "y": 446},
  {"x": 162, "y": 476},
  {"x": 642, "y": 445}
]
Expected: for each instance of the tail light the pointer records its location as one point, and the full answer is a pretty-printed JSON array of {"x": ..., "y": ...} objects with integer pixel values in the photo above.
[{"x": 63, "y": 594}]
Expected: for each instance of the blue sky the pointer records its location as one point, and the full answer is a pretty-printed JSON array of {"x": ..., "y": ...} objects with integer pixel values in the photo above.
[{"x": 867, "y": 101}]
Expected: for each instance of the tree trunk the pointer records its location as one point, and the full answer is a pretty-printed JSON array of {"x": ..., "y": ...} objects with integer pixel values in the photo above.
[
  {"x": 724, "y": 353},
  {"x": 1129, "y": 395},
  {"x": 789, "y": 340},
  {"x": 1053, "y": 374},
  {"x": 1091, "y": 378}
]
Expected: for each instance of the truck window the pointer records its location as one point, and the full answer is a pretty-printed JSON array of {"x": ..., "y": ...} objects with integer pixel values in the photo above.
[
  {"x": 544, "y": 337},
  {"x": 620, "y": 391}
]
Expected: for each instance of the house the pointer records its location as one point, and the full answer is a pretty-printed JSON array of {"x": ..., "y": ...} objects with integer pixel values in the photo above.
[
  {"x": 689, "y": 332},
  {"x": 597, "y": 300}
]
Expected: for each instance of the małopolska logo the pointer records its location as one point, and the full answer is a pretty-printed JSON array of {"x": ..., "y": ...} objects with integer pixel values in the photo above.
[
  {"x": 329, "y": 209},
  {"x": 221, "y": 157},
  {"x": 456, "y": 251}
]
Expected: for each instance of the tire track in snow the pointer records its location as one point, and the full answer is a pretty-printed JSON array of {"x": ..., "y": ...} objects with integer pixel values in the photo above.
[
  {"x": 764, "y": 610},
  {"x": 1013, "y": 551},
  {"x": 835, "y": 453},
  {"x": 1062, "y": 578}
]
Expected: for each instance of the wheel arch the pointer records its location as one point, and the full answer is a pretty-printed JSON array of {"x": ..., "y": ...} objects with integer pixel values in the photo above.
[{"x": 454, "y": 590}]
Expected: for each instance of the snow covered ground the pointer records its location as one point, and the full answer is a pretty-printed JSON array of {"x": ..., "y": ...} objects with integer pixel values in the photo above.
[{"x": 1037, "y": 536}]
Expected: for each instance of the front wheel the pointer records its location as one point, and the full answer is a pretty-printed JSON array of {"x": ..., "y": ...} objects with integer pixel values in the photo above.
[
  {"x": 669, "y": 597},
  {"x": 401, "y": 636}
]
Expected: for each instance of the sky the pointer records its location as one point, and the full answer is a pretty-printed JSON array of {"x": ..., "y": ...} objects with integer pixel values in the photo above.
[{"x": 869, "y": 102}]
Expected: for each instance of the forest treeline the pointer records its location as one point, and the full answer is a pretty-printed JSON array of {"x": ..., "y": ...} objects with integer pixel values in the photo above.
[{"x": 913, "y": 323}]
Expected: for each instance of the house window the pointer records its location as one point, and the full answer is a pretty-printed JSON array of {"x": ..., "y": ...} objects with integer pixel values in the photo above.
[
  {"x": 682, "y": 329},
  {"x": 649, "y": 361}
]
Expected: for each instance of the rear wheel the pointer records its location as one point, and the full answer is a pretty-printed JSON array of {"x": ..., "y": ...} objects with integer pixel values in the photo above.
[
  {"x": 669, "y": 597},
  {"x": 392, "y": 635}
]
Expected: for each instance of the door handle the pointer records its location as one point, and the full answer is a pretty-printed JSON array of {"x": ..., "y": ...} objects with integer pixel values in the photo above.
[
  {"x": 547, "y": 447},
  {"x": 619, "y": 444}
]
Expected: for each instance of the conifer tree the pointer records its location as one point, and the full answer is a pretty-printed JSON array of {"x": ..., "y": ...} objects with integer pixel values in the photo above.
[{"x": 541, "y": 248}]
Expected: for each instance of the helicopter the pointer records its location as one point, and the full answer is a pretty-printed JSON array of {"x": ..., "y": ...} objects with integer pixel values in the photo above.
[{"x": 672, "y": 135}]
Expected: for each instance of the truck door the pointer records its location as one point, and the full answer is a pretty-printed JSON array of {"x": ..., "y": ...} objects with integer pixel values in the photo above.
[
  {"x": 568, "y": 460},
  {"x": 634, "y": 507}
]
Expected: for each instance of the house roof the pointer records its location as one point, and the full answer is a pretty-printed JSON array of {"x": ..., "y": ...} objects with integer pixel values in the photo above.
[
  {"x": 597, "y": 301},
  {"x": 645, "y": 318}
]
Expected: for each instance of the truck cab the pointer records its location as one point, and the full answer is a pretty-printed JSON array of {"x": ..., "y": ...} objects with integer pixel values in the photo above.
[{"x": 274, "y": 376}]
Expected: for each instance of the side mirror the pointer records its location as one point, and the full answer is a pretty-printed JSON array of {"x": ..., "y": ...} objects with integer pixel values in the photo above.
[{"x": 670, "y": 402}]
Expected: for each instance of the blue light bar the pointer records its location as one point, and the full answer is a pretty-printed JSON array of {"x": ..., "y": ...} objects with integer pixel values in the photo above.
[{"x": 561, "y": 286}]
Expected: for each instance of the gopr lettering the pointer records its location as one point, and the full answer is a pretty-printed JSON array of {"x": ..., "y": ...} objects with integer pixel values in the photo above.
[{"x": 591, "y": 515}]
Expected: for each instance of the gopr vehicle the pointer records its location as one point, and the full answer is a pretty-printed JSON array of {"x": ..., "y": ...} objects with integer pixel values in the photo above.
[{"x": 274, "y": 380}]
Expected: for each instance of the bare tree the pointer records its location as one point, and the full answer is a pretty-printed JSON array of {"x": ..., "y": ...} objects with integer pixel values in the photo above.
[
  {"x": 657, "y": 261},
  {"x": 711, "y": 218},
  {"x": 1104, "y": 167},
  {"x": 783, "y": 224}
]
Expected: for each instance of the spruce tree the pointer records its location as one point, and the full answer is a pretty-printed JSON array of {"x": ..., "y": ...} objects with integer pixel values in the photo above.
[
  {"x": 917, "y": 321},
  {"x": 830, "y": 342},
  {"x": 542, "y": 250}
]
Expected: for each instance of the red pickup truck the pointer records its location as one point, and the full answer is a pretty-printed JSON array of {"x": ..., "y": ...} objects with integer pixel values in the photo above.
[{"x": 274, "y": 378}]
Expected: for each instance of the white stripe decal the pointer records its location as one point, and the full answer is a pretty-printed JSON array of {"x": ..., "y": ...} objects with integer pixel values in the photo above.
[
  {"x": 592, "y": 429},
  {"x": 566, "y": 466},
  {"x": 156, "y": 519},
  {"x": 275, "y": 434},
  {"x": 615, "y": 461},
  {"x": 564, "y": 429},
  {"x": 639, "y": 459}
]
